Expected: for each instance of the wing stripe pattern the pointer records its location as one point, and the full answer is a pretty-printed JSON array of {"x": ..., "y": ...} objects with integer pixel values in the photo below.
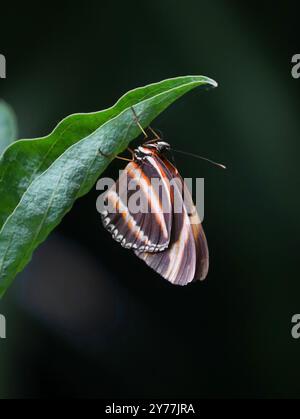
[
  {"x": 137, "y": 230},
  {"x": 202, "y": 259},
  {"x": 177, "y": 263}
]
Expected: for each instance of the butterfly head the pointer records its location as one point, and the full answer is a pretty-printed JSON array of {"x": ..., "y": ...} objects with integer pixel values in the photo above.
[
  {"x": 162, "y": 146},
  {"x": 148, "y": 149}
]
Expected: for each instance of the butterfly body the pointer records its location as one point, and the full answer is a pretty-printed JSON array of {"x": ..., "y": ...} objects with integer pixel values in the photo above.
[{"x": 168, "y": 235}]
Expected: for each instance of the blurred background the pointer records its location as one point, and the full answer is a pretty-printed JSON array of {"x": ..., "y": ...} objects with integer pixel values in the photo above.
[{"x": 87, "y": 318}]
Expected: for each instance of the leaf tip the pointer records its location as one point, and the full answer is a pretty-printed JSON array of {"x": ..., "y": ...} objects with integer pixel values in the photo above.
[{"x": 214, "y": 83}]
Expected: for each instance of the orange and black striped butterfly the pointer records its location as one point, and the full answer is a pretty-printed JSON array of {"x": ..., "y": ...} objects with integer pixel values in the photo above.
[{"x": 171, "y": 242}]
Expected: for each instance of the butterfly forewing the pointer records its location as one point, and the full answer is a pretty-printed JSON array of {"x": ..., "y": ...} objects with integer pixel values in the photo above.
[{"x": 134, "y": 214}]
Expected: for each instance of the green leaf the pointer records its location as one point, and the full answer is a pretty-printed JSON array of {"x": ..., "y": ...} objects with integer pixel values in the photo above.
[
  {"x": 8, "y": 126},
  {"x": 40, "y": 179}
]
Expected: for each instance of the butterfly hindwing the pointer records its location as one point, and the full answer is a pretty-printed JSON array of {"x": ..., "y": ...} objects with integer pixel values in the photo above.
[
  {"x": 186, "y": 258},
  {"x": 202, "y": 258}
]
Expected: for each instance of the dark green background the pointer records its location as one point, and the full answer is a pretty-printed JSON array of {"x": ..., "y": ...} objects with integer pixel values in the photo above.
[{"x": 87, "y": 318}]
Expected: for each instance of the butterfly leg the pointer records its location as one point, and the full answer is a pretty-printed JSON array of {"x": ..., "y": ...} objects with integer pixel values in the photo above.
[
  {"x": 108, "y": 156},
  {"x": 132, "y": 152},
  {"x": 103, "y": 154},
  {"x": 157, "y": 136},
  {"x": 138, "y": 122},
  {"x": 123, "y": 158}
]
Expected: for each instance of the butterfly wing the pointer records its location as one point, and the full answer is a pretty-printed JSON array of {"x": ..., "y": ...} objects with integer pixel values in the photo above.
[
  {"x": 202, "y": 258},
  {"x": 186, "y": 258},
  {"x": 148, "y": 226},
  {"x": 202, "y": 254}
]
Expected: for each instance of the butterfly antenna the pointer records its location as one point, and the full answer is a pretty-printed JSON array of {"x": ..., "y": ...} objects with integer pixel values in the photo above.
[{"x": 200, "y": 157}]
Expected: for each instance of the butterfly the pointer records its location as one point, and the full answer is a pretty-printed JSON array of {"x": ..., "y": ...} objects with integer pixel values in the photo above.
[{"x": 170, "y": 241}]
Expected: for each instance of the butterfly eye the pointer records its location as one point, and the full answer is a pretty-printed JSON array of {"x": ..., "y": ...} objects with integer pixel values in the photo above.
[{"x": 163, "y": 146}]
